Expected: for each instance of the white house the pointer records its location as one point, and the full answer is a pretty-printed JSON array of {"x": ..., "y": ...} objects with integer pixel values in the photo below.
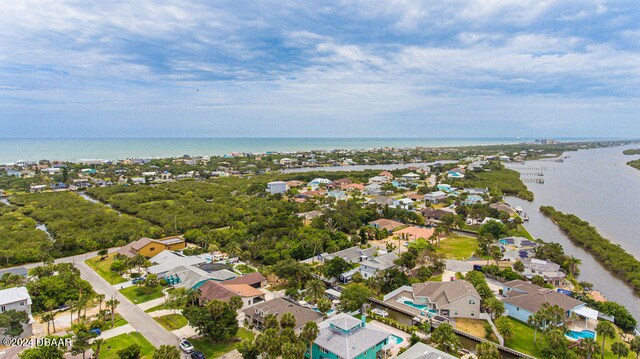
[
  {"x": 411, "y": 177},
  {"x": 18, "y": 299},
  {"x": 435, "y": 197},
  {"x": 371, "y": 266},
  {"x": 277, "y": 187},
  {"x": 378, "y": 180}
]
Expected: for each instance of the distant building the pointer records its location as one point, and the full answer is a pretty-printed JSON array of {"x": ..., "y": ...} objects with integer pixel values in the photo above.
[
  {"x": 373, "y": 189},
  {"x": 18, "y": 299},
  {"x": 435, "y": 197},
  {"x": 411, "y": 177},
  {"x": 150, "y": 247},
  {"x": 371, "y": 266},
  {"x": 550, "y": 271},
  {"x": 387, "y": 224},
  {"x": 277, "y": 187}
]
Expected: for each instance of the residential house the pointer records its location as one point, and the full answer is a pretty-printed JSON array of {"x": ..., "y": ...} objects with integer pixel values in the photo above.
[
  {"x": 382, "y": 201},
  {"x": 307, "y": 217},
  {"x": 18, "y": 298},
  {"x": 166, "y": 260},
  {"x": 415, "y": 197},
  {"x": 473, "y": 199},
  {"x": 294, "y": 184},
  {"x": 37, "y": 188},
  {"x": 212, "y": 290},
  {"x": 373, "y": 189},
  {"x": 411, "y": 177},
  {"x": 435, "y": 197},
  {"x": 150, "y": 247},
  {"x": 344, "y": 336},
  {"x": 386, "y": 174},
  {"x": 476, "y": 191},
  {"x": 550, "y": 271},
  {"x": 277, "y": 187},
  {"x": 421, "y": 350},
  {"x": 523, "y": 299},
  {"x": 353, "y": 254},
  {"x": 503, "y": 207},
  {"x": 338, "y": 195},
  {"x": 378, "y": 180},
  {"x": 456, "y": 173},
  {"x": 517, "y": 248},
  {"x": 353, "y": 187},
  {"x": 341, "y": 183},
  {"x": 403, "y": 203},
  {"x": 387, "y": 224},
  {"x": 192, "y": 277},
  {"x": 255, "y": 314},
  {"x": 316, "y": 182},
  {"x": 371, "y": 266},
  {"x": 255, "y": 280},
  {"x": 455, "y": 299},
  {"x": 433, "y": 215}
]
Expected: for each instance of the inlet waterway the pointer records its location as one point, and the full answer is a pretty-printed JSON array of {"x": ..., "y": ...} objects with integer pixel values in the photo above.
[{"x": 597, "y": 186}]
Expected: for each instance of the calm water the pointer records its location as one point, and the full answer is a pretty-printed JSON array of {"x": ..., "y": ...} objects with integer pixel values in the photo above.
[
  {"x": 120, "y": 148},
  {"x": 597, "y": 186}
]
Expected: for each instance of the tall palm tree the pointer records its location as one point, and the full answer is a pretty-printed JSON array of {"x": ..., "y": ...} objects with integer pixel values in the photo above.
[
  {"x": 505, "y": 328},
  {"x": 100, "y": 298},
  {"x": 98, "y": 343},
  {"x": 316, "y": 288},
  {"x": 71, "y": 304},
  {"x": 537, "y": 321},
  {"x": 588, "y": 347},
  {"x": 606, "y": 330},
  {"x": 308, "y": 335},
  {"x": 113, "y": 303}
]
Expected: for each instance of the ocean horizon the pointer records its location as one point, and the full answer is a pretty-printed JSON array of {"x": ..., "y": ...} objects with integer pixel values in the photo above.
[{"x": 118, "y": 148}]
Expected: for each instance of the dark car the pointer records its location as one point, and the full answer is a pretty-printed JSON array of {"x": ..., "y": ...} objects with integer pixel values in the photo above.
[{"x": 197, "y": 355}]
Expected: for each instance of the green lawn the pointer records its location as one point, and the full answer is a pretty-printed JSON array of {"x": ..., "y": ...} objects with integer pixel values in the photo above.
[
  {"x": 134, "y": 296},
  {"x": 118, "y": 322},
  {"x": 101, "y": 266},
  {"x": 244, "y": 269},
  {"x": 110, "y": 347},
  {"x": 521, "y": 232},
  {"x": 458, "y": 247},
  {"x": 523, "y": 340},
  {"x": 214, "y": 350},
  {"x": 157, "y": 307},
  {"x": 172, "y": 322}
]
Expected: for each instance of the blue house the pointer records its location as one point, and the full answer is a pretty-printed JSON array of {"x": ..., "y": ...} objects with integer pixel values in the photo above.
[
  {"x": 473, "y": 199},
  {"x": 344, "y": 336}
]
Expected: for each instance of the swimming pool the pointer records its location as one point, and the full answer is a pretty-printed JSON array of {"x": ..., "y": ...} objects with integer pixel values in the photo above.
[
  {"x": 318, "y": 310},
  {"x": 398, "y": 339},
  {"x": 419, "y": 306},
  {"x": 585, "y": 334}
]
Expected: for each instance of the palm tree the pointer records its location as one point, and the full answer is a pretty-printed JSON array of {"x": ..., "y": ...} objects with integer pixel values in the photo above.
[
  {"x": 588, "y": 347},
  {"x": 486, "y": 350},
  {"x": 113, "y": 303},
  {"x": 635, "y": 346},
  {"x": 50, "y": 304},
  {"x": 98, "y": 343},
  {"x": 445, "y": 336},
  {"x": 505, "y": 328},
  {"x": 606, "y": 330},
  {"x": 309, "y": 334},
  {"x": 71, "y": 304},
  {"x": 495, "y": 306},
  {"x": 316, "y": 288},
  {"x": 46, "y": 318},
  {"x": 620, "y": 349},
  {"x": 537, "y": 321},
  {"x": 100, "y": 298},
  {"x": 572, "y": 264}
]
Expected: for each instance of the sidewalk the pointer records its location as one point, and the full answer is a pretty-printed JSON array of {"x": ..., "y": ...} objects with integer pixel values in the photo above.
[
  {"x": 151, "y": 303},
  {"x": 127, "y": 328}
]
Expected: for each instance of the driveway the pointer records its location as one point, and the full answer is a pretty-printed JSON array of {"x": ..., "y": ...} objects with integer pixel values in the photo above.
[{"x": 136, "y": 316}]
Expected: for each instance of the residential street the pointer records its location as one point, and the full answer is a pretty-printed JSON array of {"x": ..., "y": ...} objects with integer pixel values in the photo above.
[{"x": 135, "y": 315}]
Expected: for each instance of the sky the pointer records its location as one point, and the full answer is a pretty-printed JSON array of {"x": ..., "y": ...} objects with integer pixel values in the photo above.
[{"x": 391, "y": 68}]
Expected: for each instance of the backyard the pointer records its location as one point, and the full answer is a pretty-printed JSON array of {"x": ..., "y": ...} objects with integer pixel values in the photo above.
[
  {"x": 110, "y": 347},
  {"x": 101, "y": 266},
  {"x": 214, "y": 350},
  {"x": 456, "y": 246},
  {"x": 134, "y": 295}
]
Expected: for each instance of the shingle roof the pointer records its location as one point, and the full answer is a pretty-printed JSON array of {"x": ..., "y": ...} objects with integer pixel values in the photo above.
[
  {"x": 534, "y": 296},
  {"x": 279, "y": 306},
  {"x": 443, "y": 293},
  {"x": 387, "y": 224},
  {"x": 381, "y": 262},
  {"x": 250, "y": 279},
  {"x": 351, "y": 254},
  {"x": 424, "y": 351}
]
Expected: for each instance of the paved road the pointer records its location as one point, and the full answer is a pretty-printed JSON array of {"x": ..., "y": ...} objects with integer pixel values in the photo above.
[
  {"x": 72, "y": 259},
  {"x": 140, "y": 320}
]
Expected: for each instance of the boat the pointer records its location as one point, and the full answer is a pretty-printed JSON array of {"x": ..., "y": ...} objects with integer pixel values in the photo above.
[
  {"x": 380, "y": 312},
  {"x": 518, "y": 209}
]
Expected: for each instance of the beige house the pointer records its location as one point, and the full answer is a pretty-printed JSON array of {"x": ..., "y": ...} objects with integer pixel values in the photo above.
[{"x": 456, "y": 299}]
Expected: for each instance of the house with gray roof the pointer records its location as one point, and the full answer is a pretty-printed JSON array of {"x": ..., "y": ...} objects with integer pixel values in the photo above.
[
  {"x": 191, "y": 277},
  {"x": 18, "y": 298},
  {"x": 455, "y": 299},
  {"x": 423, "y": 351},
  {"x": 353, "y": 254},
  {"x": 551, "y": 272},
  {"x": 168, "y": 260},
  {"x": 255, "y": 315},
  {"x": 344, "y": 336},
  {"x": 371, "y": 266}
]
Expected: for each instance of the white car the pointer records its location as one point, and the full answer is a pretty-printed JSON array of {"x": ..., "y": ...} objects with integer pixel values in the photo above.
[{"x": 186, "y": 346}]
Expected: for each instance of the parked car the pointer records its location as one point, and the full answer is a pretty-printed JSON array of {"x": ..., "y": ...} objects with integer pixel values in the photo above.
[
  {"x": 198, "y": 355},
  {"x": 96, "y": 331},
  {"x": 186, "y": 346}
]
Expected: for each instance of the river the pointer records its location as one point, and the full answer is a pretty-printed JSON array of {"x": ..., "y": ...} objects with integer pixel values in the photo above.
[{"x": 597, "y": 186}]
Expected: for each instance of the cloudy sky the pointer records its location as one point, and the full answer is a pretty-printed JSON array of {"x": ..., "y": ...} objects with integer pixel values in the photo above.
[{"x": 344, "y": 68}]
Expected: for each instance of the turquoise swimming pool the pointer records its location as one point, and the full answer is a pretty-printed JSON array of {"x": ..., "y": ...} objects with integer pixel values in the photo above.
[
  {"x": 585, "y": 334},
  {"x": 398, "y": 339},
  {"x": 419, "y": 306}
]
